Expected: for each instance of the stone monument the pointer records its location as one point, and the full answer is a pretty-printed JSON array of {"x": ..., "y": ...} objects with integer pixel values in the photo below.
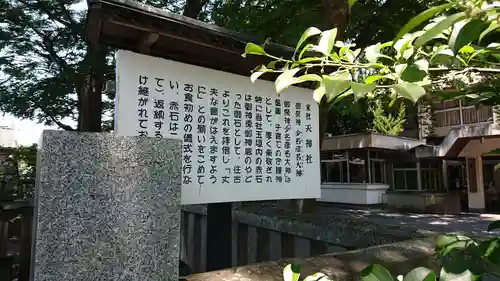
[{"x": 107, "y": 208}]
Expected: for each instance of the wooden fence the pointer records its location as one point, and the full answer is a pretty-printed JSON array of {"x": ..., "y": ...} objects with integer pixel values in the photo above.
[
  {"x": 250, "y": 243},
  {"x": 16, "y": 219}
]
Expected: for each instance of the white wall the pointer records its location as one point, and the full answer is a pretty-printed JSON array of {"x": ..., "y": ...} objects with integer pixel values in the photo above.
[{"x": 352, "y": 193}]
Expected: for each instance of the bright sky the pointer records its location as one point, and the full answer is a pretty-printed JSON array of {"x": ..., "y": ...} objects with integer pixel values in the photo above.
[{"x": 27, "y": 132}]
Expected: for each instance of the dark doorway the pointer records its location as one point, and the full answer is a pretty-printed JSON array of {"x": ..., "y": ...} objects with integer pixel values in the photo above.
[{"x": 457, "y": 183}]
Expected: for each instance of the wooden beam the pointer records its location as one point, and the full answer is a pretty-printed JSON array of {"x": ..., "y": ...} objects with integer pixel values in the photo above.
[
  {"x": 147, "y": 42},
  {"x": 180, "y": 38}
]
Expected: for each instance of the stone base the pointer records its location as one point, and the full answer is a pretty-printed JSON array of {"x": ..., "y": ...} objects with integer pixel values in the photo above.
[
  {"x": 300, "y": 206},
  {"x": 107, "y": 208}
]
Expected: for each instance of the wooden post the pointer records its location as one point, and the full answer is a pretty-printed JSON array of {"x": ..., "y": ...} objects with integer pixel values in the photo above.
[
  {"x": 219, "y": 240},
  {"x": 26, "y": 244}
]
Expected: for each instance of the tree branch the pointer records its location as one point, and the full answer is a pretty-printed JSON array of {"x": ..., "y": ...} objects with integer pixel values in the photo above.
[
  {"x": 54, "y": 119},
  {"x": 57, "y": 122},
  {"x": 467, "y": 69},
  {"x": 49, "y": 13}
]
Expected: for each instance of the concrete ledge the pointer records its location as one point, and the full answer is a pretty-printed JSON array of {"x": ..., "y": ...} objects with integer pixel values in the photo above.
[
  {"x": 350, "y": 233},
  {"x": 399, "y": 258},
  {"x": 353, "y": 193}
]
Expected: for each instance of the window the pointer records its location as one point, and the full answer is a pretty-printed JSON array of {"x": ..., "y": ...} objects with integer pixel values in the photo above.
[
  {"x": 431, "y": 180},
  {"x": 334, "y": 167},
  {"x": 378, "y": 171},
  {"x": 358, "y": 165},
  {"x": 405, "y": 179},
  {"x": 334, "y": 172}
]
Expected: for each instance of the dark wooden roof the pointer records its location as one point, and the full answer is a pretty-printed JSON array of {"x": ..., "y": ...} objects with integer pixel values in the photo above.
[{"x": 126, "y": 24}]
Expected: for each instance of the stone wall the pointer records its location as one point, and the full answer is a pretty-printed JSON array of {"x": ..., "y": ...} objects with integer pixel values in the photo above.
[
  {"x": 261, "y": 233},
  {"x": 399, "y": 258}
]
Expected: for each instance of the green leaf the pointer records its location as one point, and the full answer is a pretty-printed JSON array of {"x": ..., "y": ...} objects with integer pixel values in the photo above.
[
  {"x": 309, "y": 77},
  {"x": 253, "y": 49},
  {"x": 376, "y": 272},
  {"x": 467, "y": 49},
  {"x": 445, "y": 240},
  {"x": 336, "y": 84},
  {"x": 351, "y": 3},
  {"x": 493, "y": 246},
  {"x": 493, "y": 27},
  {"x": 272, "y": 65},
  {"x": 372, "y": 53},
  {"x": 494, "y": 225},
  {"x": 317, "y": 277},
  {"x": 373, "y": 78},
  {"x": 400, "y": 68},
  {"x": 286, "y": 79},
  {"x": 448, "y": 243},
  {"x": 291, "y": 272},
  {"x": 465, "y": 33},
  {"x": 257, "y": 74},
  {"x": 422, "y": 65},
  {"x": 327, "y": 41},
  {"x": 411, "y": 91},
  {"x": 425, "y": 15},
  {"x": 319, "y": 92},
  {"x": 403, "y": 46},
  {"x": 420, "y": 274},
  {"x": 361, "y": 89},
  {"x": 438, "y": 29},
  {"x": 494, "y": 151},
  {"x": 311, "y": 31},
  {"x": 458, "y": 245},
  {"x": 415, "y": 72},
  {"x": 460, "y": 267},
  {"x": 309, "y": 59},
  {"x": 305, "y": 49}
]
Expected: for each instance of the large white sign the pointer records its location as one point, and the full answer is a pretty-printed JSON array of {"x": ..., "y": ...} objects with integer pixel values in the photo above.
[{"x": 241, "y": 142}]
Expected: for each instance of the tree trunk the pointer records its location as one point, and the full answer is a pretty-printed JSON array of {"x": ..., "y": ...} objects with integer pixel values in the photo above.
[
  {"x": 90, "y": 119},
  {"x": 336, "y": 15},
  {"x": 193, "y": 8}
]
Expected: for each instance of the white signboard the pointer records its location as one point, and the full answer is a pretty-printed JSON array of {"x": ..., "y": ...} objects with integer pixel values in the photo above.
[{"x": 241, "y": 142}]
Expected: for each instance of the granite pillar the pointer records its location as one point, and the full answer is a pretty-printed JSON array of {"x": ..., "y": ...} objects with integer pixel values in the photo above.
[{"x": 107, "y": 208}]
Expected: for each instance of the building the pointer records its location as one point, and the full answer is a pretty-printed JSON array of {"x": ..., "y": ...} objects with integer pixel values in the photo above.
[
  {"x": 450, "y": 171},
  {"x": 7, "y": 142}
]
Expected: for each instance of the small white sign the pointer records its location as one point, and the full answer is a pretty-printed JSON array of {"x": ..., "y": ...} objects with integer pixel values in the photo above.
[{"x": 241, "y": 142}]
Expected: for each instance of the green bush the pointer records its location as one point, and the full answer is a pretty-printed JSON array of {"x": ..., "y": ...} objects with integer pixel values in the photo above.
[{"x": 462, "y": 258}]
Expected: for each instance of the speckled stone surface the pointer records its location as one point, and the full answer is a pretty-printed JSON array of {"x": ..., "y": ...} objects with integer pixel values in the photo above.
[
  {"x": 107, "y": 208},
  {"x": 399, "y": 258}
]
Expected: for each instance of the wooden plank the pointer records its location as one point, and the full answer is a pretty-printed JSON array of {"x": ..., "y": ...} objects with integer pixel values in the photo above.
[
  {"x": 26, "y": 243},
  {"x": 203, "y": 258},
  {"x": 197, "y": 244},
  {"x": 332, "y": 248},
  {"x": 234, "y": 241},
  {"x": 189, "y": 240},
  {"x": 4, "y": 238},
  {"x": 242, "y": 244},
  {"x": 318, "y": 248},
  {"x": 183, "y": 251},
  {"x": 287, "y": 245},
  {"x": 252, "y": 244},
  {"x": 219, "y": 219},
  {"x": 263, "y": 247},
  {"x": 274, "y": 245},
  {"x": 302, "y": 247}
]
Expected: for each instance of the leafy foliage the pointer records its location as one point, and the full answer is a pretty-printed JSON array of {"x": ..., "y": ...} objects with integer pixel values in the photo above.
[
  {"x": 436, "y": 56},
  {"x": 462, "y": 258},
  {"x": 45, "y": 61},
  {"x": 17, "y": 174},
  {"x": 283, "y": 21},
  {"x": 386, "y": 123}
]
